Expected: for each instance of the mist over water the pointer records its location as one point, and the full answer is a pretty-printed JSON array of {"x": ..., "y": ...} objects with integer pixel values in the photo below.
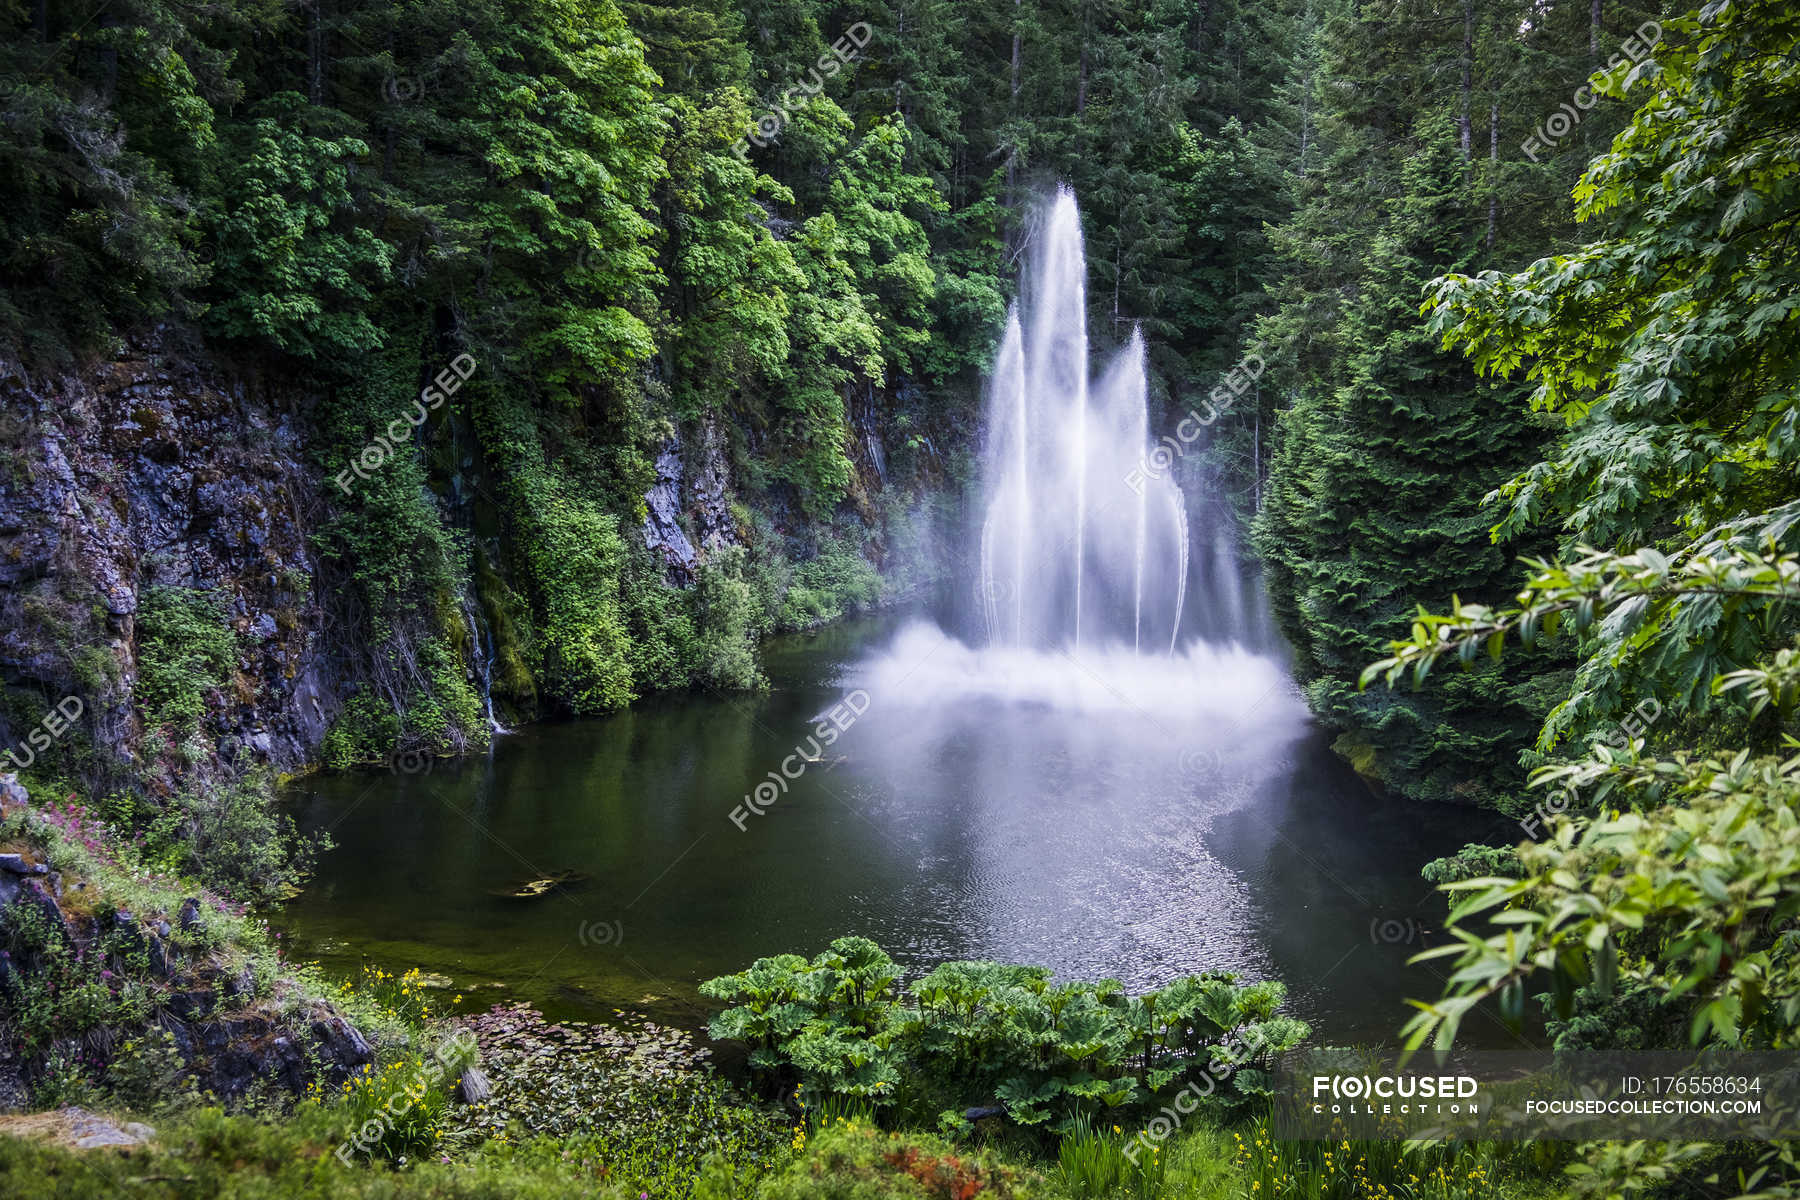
[{"x": 1221, "y": 682}]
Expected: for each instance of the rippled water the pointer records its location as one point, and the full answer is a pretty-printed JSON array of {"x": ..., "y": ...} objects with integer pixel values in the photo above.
[{"x": 1106, "y": 818}]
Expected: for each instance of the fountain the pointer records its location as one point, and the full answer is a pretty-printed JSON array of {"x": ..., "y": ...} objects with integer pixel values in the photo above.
[
  {"x": 1081, "y": 544},
  {"x": 1096, "y": 595}
]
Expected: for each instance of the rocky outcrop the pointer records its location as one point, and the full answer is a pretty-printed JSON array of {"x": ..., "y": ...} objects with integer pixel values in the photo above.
[
  {"x": 688, "y": 509},
  {"x": 663, "y": 533},
  {"x": 233, "y": 1034},
  {"x": 145, "y": 471}
]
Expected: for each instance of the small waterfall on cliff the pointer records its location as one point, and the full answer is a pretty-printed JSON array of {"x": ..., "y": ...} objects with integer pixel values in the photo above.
[{"x": 481, "y": 655}]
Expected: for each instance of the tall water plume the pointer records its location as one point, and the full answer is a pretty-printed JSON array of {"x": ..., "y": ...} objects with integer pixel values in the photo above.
[{"x": 1080, "y": 545}]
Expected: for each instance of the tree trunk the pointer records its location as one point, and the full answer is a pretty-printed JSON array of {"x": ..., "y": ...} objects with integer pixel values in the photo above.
[
  {"x": 1493, "y": 172},
  {"x": 1468, "y": 72},
  {"x": 315, "y": 52},
  {"x": 1082, "y": 79},
  {"x": 1017, "y": 49},
  {"x": 1256, "y": 455},
  {"x": 1594, "y": 30},
  {"x": 1012, "y": 151}
]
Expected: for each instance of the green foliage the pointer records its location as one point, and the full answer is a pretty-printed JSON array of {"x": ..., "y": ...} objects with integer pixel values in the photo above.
[
  {"x": 73, "y": 979},
  {"x": 1667, "y": 342},
  {"x": 835, "y": 582},
  {"x": 1389, "y": 445},
  {"x": 1653, "y": 624},
  {"x": 1092, "y": 1163},
  {"x": 407, "y": 1098},
  {"x": 1346, "y": 1170},
  {"x": 728, "y": 617},
  {"x": 972, "y": 1032},
  {"x": 576, "y": 554},
  {"x": 239, "y": 1158},
  {"x": 95, "y": 223},
  {"x": 395, "y": 577},
  {"x": 185, "y": 650},
  {"x": 229, "y": 835},
  {"x": 1474, "y": 861},
  {"x": 1661, "y": 911},
  {"x": 297, "y": 273},
  {"x": 148, "y": 1075}
]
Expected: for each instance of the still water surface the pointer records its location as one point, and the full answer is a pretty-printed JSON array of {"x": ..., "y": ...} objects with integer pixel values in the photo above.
[{"x": 1043, "y": 811}]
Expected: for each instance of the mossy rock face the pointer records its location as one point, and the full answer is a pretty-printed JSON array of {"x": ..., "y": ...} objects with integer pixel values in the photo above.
[
  {"x": 136, "y": 985},
  {"x": 1362, "y": 756}
]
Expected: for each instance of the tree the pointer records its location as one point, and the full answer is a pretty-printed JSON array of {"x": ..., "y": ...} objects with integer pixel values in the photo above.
[{"x": 1665, "y": 344}]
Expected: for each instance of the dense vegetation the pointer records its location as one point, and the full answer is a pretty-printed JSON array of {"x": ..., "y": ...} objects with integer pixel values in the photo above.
[
  {"x": 839, "y": 1028},
  {"x": 559, "y": 198}
]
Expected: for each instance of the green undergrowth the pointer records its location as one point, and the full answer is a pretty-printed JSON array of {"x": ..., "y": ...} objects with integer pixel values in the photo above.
[
  {"x": 206, "y": 1152},
  {"x": 86, "y": 998},
  {"x": 841, "y": 1027}
]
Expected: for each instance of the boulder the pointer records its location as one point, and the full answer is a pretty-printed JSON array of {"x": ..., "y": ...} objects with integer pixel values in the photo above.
[
  {"x": 78, "y": 1129},
  {"x": 342, "y": 1042}
]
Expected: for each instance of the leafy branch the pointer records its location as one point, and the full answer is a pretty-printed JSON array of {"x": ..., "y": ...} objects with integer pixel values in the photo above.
[{"x": 1632, "y": 592}]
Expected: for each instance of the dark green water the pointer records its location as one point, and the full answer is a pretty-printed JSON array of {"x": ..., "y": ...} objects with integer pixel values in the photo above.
[{"x": 1103, "y": 823}]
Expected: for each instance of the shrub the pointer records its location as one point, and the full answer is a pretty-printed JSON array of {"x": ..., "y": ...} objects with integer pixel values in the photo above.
[
  {"x": 728, "y": 620},
  {"x": 229, "y": 836},
  {"x": 972, "y": 1032},
  {"x": 397, "y": 1111},
  {"x": 836, "y": 582}
]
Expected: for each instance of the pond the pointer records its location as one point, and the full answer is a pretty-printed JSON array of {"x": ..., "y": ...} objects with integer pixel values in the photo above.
[{"x": 1101, "y": 818}]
